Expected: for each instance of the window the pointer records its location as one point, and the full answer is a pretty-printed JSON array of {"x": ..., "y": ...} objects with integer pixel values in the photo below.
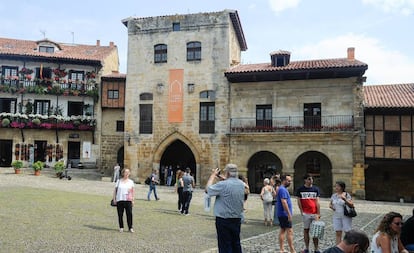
[
  {"x": 76, "y": 75},
  {"x": 209, "y": 94},
  {"x": 176, "y": 27},
  {"x": 8, "y": 105},
  {"x": 194, "y": 51},
  {"x": 75, "y": 108},
  {"x": 145, "y": 96},
  {"x": 41, "y": 107},
  {"x": 160, "y": 53},
  {"x": 145, "y": 118},
  {"x": 312, "y": 116},
  {"x": 46, "y": 49},
  {"x": 113, "y": 94},
  {"x": 9, "y": 72},
  {"x": 207, "y": 117},
  {"x": 44, "y": 73},
  {"x": 392, "y": 138},
  {"x": 264, "y": 116},
  {"x": 119, "y": 125}
]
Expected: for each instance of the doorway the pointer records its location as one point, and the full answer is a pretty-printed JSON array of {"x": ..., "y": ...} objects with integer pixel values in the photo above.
[
  {"x": 40, "y": 151},
  {"x": 74, "y": 153},
  {"x": 263, "y": 164},
  {"x": 6, "y": 153}
]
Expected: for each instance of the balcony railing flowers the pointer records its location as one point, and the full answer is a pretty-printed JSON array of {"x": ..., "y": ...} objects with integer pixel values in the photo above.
[{"x": 39, "y": 121}]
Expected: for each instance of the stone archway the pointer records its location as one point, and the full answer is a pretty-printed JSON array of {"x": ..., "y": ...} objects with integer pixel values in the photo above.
[
  {"x": 261, "y": 165},
  {"x": 319, "y": 166},
  {"x": 179, "y": 156}
]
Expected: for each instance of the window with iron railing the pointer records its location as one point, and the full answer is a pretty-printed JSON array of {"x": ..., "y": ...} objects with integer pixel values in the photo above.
[
  {"x": 264, "y": 116},
  {"x": 207, "y": 117}
]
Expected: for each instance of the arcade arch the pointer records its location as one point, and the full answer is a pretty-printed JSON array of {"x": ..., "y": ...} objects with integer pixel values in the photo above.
[{"x": 261, "y": 165}]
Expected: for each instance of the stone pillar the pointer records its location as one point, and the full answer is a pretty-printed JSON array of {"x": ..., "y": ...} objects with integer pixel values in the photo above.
[{"x": 358, "y": 181}]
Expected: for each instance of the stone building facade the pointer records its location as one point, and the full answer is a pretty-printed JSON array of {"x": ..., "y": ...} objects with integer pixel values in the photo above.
[{"x": 190, "y": 103}]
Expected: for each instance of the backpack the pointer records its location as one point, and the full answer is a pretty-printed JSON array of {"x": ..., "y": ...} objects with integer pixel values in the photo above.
[{"x": 148, "y": 180}]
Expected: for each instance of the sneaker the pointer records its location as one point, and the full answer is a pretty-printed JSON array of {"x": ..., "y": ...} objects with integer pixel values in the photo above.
[
  {"x": 187, "y": 214},
  {"x": 306, "y": 251},
  {"x": 132, "y": 230},
  {"x": 158, "y": 198},
  {"x": 121, "y": 230}
]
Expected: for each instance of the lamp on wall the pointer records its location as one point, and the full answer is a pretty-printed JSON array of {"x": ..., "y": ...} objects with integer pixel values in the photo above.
[
  {"x": 190, "y": 87},
  {"x": 160, "y": 88}
]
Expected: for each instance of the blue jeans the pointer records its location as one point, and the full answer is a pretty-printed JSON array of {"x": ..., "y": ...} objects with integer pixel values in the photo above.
[
  {"x": 228, "y": 235},
  {"x": 409, "y": 247},
  {"x": 275, "y": 218},
  {"x": 152, "y": 187}
]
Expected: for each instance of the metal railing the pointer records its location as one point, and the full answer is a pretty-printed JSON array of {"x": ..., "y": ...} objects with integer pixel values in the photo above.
[
  {"x": 293, "y": 124},
  {"x": 19, "y": 85}
]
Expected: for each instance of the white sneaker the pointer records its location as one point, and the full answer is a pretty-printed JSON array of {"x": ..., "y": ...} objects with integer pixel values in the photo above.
[
  {"x": 132, "y": 230},
  {"x": 121, "y": 230}
]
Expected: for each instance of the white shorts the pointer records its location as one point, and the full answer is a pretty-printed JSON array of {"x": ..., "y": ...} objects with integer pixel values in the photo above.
[
  {"x": 342, "y": 223},
  {"x": 307, "y": 220}
]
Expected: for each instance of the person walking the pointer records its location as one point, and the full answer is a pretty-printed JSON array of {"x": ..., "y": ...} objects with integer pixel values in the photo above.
[
  {"x": 267, "y": 193},
  {"x": 169, "y": 175},
  {"x": 407, "y": 233},
  {"x": 153, "y": 185},
  {"x": 387, "y": 236},
  {"x": 355, "y": 241},
  {"x": 188, "y": 185},
  {"x": 228, "y": 207},
  {"x": 285, "y": 213},
  {"x": 276, "y": 185},
  {"x": 309, "y": 206},
  {"x": 338, "y": 201},
  {"x": 124, "y": 196},
  {"x": 117, "y": 171},
  {"x": 179, "y": 189}
]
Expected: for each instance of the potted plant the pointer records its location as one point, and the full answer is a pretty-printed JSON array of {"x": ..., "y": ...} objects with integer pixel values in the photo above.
[
  {"x": 17, "y": 165},
  {"x": 59, "y": 168},
  {"x": 37, "y": 167}
]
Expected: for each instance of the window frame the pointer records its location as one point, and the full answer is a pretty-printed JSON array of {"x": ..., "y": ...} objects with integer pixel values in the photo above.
[
  {"x": 160, "y": 53},
  {"x": 145, "y": 118},
  {"x": 46, "y": 49},
  {"x": 44, "y": 107},
  {"x": 207, "y": 117},
  {"x": 392, "y": 138},
  {"x": 264, "y": 116},
  {"x": 194, "y": 51},
  {"x": 113, "y": 94},
  {"x": 120, "y": 126}
]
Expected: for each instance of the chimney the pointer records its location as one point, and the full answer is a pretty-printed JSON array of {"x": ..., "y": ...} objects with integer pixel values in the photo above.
[
  {"x": 111, "y": 44},
  {"x": 351, "y": 53},
  {"x": 98, "y": 43}
]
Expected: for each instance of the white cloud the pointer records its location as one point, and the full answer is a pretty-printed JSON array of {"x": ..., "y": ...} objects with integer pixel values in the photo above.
[
  {"x": 385, "y": 66},
  {"x": 405, "y": 7},
  {"x": 281, "y": 5}
]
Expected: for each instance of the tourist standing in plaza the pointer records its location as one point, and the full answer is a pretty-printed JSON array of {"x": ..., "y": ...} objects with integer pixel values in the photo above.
[
  {"x": 276, "y": 184},
  {"x": 246, "y": 195},
  {"x": 124, "y": 196},
  {"x": 228, "y": 207},
  {"x": 153, "y": 185},
  {"x": 407, "y": 233},
  {"x": 188, "y": 186},
  {"x": 179, "y": 189},
  {"x": 355, "y": 241},
  {"x": 308, "y": 202},
  {"x": 338, "y": 201},
  {"x": 387, "y": 236},
  {"x": 285, "y": 213},
  {"x": 267, "y": 193},
  {"x": 117, "y": 171}
]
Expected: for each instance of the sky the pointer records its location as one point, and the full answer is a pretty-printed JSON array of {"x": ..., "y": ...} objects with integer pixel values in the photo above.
[{"x": 381, "y": 31}]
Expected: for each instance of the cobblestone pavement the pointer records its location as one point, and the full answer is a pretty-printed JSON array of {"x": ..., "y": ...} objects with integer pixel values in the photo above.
[{"x": 369, "y": 212}]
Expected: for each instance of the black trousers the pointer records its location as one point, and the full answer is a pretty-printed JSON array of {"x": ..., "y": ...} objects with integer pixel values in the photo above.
[
  {"x": 120, "y": 206},
  {"x": 187, "y": 196}
]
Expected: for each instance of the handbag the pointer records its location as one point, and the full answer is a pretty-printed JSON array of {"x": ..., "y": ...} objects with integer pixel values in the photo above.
[
  {"x": 317, "y": 229},
  {"x": 116, "y": 190},
  {"x": 349, "y": 211}
]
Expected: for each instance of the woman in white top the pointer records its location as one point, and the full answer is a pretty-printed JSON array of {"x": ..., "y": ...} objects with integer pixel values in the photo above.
[
  {"x": 338, "y": 201},
  {"x": 387, "y": 236},
  {"x": 124, "y": 195},
  {"x": 267, "y": 194}
]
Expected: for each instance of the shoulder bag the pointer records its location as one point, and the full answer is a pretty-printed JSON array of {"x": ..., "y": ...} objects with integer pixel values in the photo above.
[
  {"x": 349, "y": 211},
  {"x": 116, "y": 190}
]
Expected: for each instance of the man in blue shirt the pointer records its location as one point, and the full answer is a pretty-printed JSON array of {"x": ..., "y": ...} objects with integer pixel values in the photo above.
[
  {"x": 228, "y": 207},
  {"x": 285, "y": 213}
]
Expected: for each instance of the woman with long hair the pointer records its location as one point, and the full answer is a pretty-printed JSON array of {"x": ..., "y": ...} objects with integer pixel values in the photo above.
[
  {"x": 338, "y": 201},
  {"x": 124, "y": 195},
  {"x": 387, "y": 236},
  {"x": 179, "y": 184}
]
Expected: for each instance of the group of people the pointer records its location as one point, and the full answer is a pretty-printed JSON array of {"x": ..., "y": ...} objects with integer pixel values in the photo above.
[{"x": 391, "y": 235}]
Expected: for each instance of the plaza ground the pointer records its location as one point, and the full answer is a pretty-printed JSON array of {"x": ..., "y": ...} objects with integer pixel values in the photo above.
[{"x": 46, "y": 214}]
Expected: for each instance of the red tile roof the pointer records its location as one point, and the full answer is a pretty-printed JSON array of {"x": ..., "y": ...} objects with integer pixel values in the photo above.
[
  {"x": 298, "y": 65},
  {"x": 14, "y": 47},
  {"x": 389, "y": 96}
]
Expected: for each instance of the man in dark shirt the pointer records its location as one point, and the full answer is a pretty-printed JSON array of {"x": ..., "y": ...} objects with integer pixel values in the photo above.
[
  {"x": 355, "y": 241},
  {"x": 407, "y": 233}
]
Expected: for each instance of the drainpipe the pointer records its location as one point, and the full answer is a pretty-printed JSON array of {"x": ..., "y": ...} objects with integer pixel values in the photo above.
[{"x": 56, "y": 129}]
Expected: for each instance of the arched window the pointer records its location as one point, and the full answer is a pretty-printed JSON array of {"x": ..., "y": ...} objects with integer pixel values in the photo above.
[
  {"x": 193, "y": 51},
  {"x": 160, "y": 53},
  {"x": 208, "y": 94}
]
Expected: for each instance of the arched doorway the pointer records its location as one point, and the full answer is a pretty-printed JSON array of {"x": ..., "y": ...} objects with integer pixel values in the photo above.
[
  {"x": 179, "y": 156},
  {"x": 263, "y": 164},
  {"x": 120, "y": 157},
  {"x": 317, "y": 164}
]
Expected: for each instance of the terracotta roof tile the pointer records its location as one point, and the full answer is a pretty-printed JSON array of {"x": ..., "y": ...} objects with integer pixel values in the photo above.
[
  {"x": 388, "y": 96},
  {"x": 68, "y": 51},
  {"x": 298, "y": 65}
]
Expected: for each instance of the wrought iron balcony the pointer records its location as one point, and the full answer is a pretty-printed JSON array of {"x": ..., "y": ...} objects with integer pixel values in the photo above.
[{"x": 293, "y": 124}]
